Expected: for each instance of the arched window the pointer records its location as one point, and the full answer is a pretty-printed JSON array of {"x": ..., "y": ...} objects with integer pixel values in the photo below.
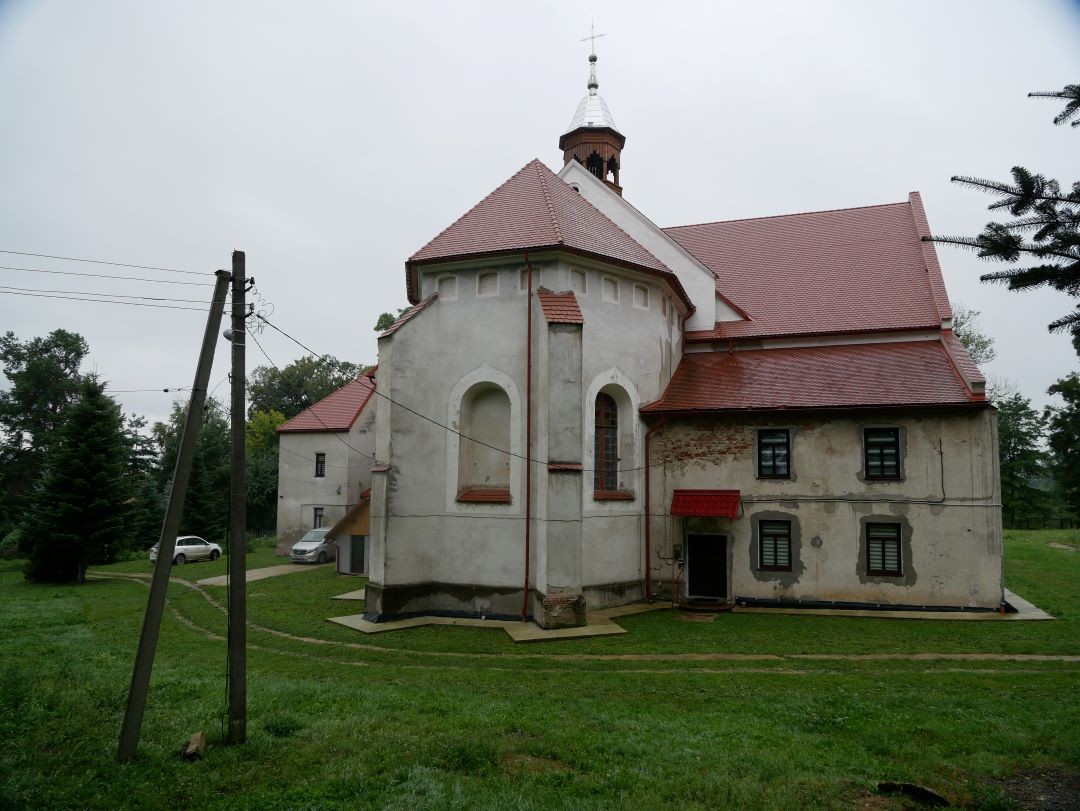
[
  {"x": 483, "y": 450},
  {"x": 606, "y": 444}
]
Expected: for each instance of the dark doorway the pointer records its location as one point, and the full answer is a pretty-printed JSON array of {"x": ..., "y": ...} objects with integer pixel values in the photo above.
[
  {"x": 706, "y": 562},
  {"x": 356, "y": 563}
]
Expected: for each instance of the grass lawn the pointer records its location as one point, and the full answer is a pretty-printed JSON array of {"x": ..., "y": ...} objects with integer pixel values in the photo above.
[{"x": 447, "y": 717}]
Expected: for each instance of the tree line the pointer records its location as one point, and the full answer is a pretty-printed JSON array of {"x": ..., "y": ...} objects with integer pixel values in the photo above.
[{"x": 82, "y": 483}]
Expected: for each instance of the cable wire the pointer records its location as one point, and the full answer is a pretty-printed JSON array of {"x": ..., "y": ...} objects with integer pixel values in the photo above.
[
  {"x": 102, "y": 276},
  {"x": 104, "y": 301},
  {"x": 336, "y": 434},
  {"x": 93, "y": 293},
  {"x": 101, "y": 262}
]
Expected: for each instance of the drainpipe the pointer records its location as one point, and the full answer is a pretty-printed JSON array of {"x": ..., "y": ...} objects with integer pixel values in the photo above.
[
  {"x": 528, "y": 443},
  {"x": 648, "y": 510}
]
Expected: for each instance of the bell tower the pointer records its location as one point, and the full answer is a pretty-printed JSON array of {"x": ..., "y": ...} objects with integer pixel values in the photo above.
[{"x": 592, "y": 138}]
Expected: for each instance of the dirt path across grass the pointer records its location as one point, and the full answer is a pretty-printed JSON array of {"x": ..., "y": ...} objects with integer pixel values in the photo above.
[{"x": 598, "y": 657}]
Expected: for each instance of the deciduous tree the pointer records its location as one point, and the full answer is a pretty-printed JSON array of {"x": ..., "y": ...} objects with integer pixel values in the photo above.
[
  {"x": 966, "y": 326},
  {"x": 301, "y": 384}
]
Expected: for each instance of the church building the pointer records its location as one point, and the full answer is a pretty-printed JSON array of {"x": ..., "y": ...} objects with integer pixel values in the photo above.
[{"x": 582, "y": 409}]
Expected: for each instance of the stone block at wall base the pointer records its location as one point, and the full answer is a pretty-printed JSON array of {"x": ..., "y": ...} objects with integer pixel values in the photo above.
[{"x": 561, "y": 610}]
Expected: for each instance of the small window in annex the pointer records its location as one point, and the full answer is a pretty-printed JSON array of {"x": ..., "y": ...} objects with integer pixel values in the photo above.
[
  {"x": 523, "y": 280},
  {"x": 316, "y": 517},
  {"x": 774, "y": 453},
  {"x": 641, "y": 296},
  {"x": 881, "y": 451},
  {"x": 320, "y": 465},
  {"x": 883, "y": 550},
  {"x": 774, "y": 546},
  {"x": 610, "y": 289},
  {"x": 448, "y": 288},
  {"x": 487, "y": 284},
  {"x": 577, "y": 282}
]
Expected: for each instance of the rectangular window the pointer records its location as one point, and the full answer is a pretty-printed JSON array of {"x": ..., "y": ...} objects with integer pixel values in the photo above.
[
  {"x": 774, "y": 545},
  {"x": 883, "y": 550},
  {"x": 881, "y": 447},
  {"x": 320, "y": 465},
  {"x": 317, "y": 518},
  {"x": 774, "y": 453}
]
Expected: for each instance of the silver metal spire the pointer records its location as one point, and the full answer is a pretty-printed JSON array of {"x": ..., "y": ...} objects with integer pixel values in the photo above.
[{"x": 592, "y": 111}]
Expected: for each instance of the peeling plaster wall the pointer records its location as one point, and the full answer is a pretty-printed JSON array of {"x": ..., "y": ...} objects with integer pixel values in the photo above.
[{"x": 952, "y": 550}]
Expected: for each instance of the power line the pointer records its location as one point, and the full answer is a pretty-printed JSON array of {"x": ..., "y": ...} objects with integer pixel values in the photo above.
[
  {"x": 447, "y": 427},
  {"x": 102, "y": 276},
  {"x": 133, "y": 391},
  {"x": 104, "y": 301},
  {"x": 93, "y": 293},
  {"x": 336, "y": 434},
  {"x": 102, "y": 262}
]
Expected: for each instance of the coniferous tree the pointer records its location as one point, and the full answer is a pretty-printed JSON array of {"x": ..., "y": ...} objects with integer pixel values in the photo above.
[
  {"x": 1045, "y": 227},
  {"x": 80, "y": 510},
  {"x": 1020, "y": 434}
]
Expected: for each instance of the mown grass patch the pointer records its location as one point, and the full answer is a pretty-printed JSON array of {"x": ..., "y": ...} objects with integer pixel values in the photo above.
[{"x": 333, "y": 726}]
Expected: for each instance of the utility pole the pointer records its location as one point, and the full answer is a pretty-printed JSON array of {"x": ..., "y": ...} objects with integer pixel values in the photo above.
[
  {"x": 238, "y": 515},
  {"x": 155, "y": 605}
]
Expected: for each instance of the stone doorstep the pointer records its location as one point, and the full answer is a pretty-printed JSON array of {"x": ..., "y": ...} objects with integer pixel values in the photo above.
[{"x": 599, "y": 624}]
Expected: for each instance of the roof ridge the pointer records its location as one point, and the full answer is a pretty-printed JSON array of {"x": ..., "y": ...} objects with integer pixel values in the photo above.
[
  {"x": 536, "y": 164},
  {"x": 479, "y": 203},
  {"x": 618, "y": 227},
  {"x": 781, "y": 216}
]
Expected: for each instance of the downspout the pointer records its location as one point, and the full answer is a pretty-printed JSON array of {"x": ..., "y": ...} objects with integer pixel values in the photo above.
[
  {"x": 528, "y": 443},
  {"x": 648, "y": 510}
]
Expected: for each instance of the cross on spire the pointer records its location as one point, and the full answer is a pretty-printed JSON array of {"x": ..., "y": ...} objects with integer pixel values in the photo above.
[{"x": 593, "y": 36}]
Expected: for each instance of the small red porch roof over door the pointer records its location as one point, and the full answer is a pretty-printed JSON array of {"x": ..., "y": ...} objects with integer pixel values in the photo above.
[{"x": 706, "y": 503}]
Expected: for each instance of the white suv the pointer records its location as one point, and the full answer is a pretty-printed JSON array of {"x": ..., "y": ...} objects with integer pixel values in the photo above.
[{"x": 190, "y": 547}]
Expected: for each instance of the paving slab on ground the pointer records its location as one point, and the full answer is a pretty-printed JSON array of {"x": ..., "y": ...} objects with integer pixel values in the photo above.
[
  {"x": 360, "y": 594},
  {"x": 1024, "y": 611},
  {"x": 257, "y": 574},
  {"x": 599, "y": 624}
]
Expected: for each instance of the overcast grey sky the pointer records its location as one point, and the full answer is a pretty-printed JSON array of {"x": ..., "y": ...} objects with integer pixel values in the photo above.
[{"x": 330, "y": 140}]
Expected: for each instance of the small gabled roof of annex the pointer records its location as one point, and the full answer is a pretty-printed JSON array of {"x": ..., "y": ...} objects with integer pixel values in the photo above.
[
  {"x": 337, "y": 411},
  {"x": 537, "y": 210},
  {"x": 407, "y": 316},
  {"x": 846, "y": 270},
  {"x": 560, "y": 308}
]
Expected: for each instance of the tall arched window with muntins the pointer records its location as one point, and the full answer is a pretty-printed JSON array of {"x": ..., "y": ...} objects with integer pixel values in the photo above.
[
  {"x": 483, "y": 449},
  {"x": 606, "y": 444}
]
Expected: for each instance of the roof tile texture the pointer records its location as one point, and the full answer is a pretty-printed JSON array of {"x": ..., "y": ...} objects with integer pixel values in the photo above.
[
  {"x": 335, "y": 412},
  {"x": 881, "y": 374},
  {"x": 706, "y": 503},
  {"x": 849, "y": 270},
  {"x": 560, "y": 308},
  {"x": 535, "y": 209}
]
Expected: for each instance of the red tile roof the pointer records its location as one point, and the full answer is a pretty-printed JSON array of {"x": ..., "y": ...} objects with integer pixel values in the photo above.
[
  {"x": 335, "y": 412},
  {"x": 533, "y": 210},
  {"x": 706, "y": 503},
  {"x": 560, "y": 308},
  {"x": 961, "y": 359},
  {"x": 909, "y": 373},
  {"x": 848, "y": 270},
  {"x": 407, "y": 316}
]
